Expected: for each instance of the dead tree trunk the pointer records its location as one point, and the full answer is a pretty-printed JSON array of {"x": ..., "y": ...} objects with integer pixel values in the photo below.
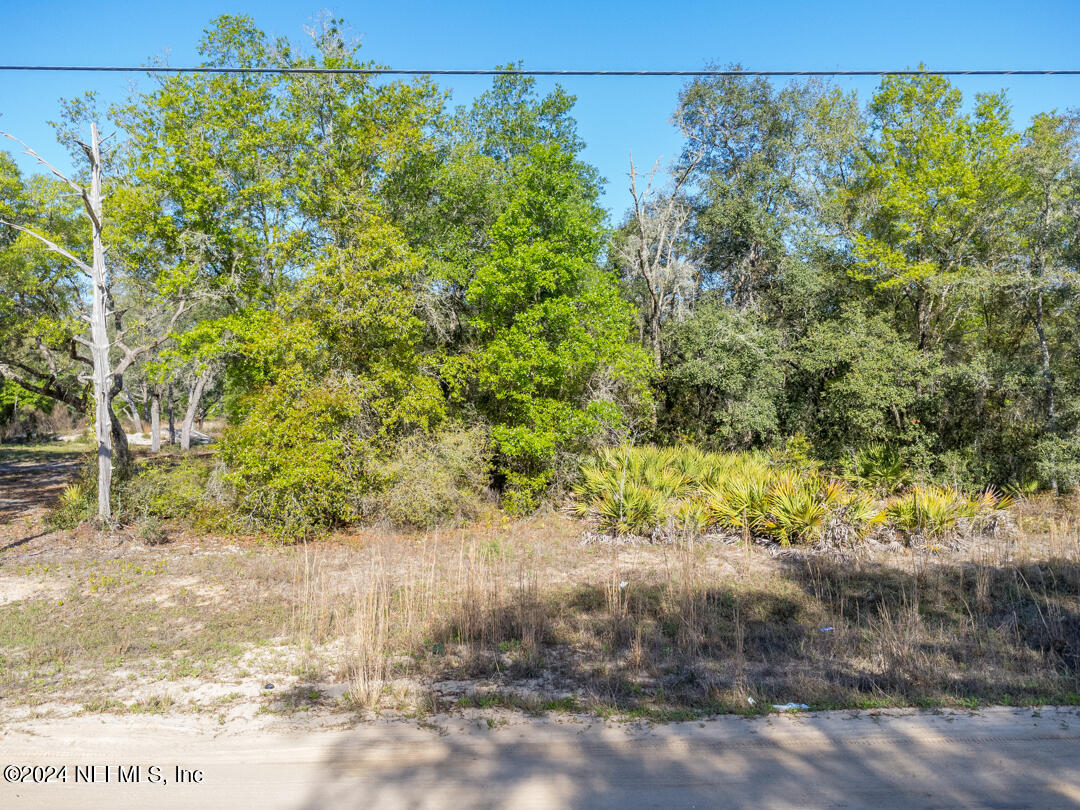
[
  {"x": 155, "y": 422},
  {"x": 99, "y": 335},
  {"x": 105, "y": 383},
  {"x": 652, "y": 252},
  {"x": 193, "y": 406}
]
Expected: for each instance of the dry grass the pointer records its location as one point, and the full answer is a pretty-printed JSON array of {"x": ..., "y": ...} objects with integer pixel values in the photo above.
[
  {"x": 702, "y": 627},
  {"x": 521, "y": 614}
]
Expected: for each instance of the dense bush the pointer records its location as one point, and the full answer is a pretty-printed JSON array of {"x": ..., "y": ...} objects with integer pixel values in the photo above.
[
  {"x": 723, "y": 378},
  {"x": 433, "y": 480},
  {"x": 172, "y": 489},
  {"x": 301, "y": 460}
]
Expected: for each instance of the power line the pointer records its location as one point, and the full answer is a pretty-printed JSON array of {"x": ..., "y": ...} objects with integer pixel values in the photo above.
[{"x": 373, "y": 71}]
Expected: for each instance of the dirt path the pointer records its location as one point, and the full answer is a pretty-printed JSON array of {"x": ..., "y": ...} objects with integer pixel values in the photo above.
[
  {"x": 26, "y": 485},
  {"x": 994, "y": 758},
  {"x": 27, "y": 489}
]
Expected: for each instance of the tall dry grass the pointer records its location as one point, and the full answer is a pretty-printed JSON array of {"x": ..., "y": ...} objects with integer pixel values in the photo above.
[{"x": 701, "y": 624}]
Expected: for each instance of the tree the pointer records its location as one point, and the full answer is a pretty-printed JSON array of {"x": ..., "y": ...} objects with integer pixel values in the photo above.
[
  {"x": 41, "y": 292},
  {"x": 98, "y": 344},
  {"x": 938, "y": 184},
  {"x": 106, "y": 376},
  {"x": 652, "y": 252},
  {"x": 1049, "y": 215},
  {"x": 552, "y": 362},
  {"x": 723, "y": 378},
  {"x": 761, "y": 162}
]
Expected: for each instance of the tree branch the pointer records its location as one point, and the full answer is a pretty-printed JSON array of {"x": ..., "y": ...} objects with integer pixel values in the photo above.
[
  {"x": 55, "y": 248},
  {"x": 81, "y": 191},
  {"x": 131, "y": 355}
]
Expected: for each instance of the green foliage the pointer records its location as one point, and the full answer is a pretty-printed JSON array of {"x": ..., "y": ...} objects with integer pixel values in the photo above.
[
  {"x": 1057, "y": 458},
  {"x": 302, "y": 458},
  {"x": 363, "y": 265},
  {"x": 932, "y": 511},
  {"x": 870, "y": 382},
  {"x": 170, "y": 489},
  {"x": 152, "y": 532},
  {"x": 936, "y": 174},
  {"x": 643, "y": 490},
  {"x": 879, "y": 467},
  {"x": 433, "y": 479},
  {"x": 646, "y": 490},
  {"x": 551, "y": 329},
  {"x": 77, "y": 504},
  {"x": 722, "y": 378}
]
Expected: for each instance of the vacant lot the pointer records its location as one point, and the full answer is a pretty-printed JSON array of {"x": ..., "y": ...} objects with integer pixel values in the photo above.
[{"x": 523, "y": 615}]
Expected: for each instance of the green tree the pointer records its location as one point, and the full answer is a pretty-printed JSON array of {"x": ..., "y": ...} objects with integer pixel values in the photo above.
[
  {"x": 723, "y": 381},
  {"x": 552, "y": 363},
  {"x": 937, "y": 185}
]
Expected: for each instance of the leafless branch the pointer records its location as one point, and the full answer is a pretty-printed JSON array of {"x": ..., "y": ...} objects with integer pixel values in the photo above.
[{"x": 55, "y": 248}]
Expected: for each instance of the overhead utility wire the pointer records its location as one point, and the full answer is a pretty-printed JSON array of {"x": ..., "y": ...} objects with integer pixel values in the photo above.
[{"x": 362, "y": 71}]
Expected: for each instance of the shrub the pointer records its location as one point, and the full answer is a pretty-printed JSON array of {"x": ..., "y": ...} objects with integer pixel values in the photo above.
[
  {"x": 933, "y": 511},
  {"x": 880, "y": 467},
  {"x": 639, "y": 490},
  {"x": 169, "y": 489},
  {"x": 433, "y": 480},
  {"x": 301, "y": 459},
  {"x": 152, "y": 532},
  {"x": 77, "y": 503}
]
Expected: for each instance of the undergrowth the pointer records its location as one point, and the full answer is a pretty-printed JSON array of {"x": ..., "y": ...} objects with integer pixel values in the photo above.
[{"x": 650, "y": 491}]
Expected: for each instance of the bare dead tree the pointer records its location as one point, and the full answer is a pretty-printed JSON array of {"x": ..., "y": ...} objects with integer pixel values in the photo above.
[
  {"x": 107, "y": 381},
  {"x": 652, "y": 250},
  {"x": 98, "y": 317}
]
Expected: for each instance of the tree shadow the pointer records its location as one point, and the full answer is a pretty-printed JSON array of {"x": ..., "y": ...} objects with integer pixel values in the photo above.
[
  {"x": 820, "y": 761},
  {"x": 823, "y": 632}
]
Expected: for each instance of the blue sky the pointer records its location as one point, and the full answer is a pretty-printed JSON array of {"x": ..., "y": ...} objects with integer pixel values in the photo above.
[{"x": 616, "y": 115}]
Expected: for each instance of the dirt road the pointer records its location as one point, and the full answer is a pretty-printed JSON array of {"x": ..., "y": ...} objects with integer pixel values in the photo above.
[{"x": 993, "y": 758}]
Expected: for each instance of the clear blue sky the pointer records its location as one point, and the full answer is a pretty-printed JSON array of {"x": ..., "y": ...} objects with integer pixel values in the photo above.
[{"x": 616, "y": 115}]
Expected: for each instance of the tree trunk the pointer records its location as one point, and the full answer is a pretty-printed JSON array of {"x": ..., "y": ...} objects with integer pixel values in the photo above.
[
  {"x": 134, "y": 411},
  {"x": 192, "y": 407},
  {"x": 155, "y": 422},
  {"x": 172, "y": 422},
  {"x": 144, "y": 400},
  {"x": 654, "y": 340},
  {"x": 1048, "y": 378},
  {"x": 121, "y": 451},
  {"x": 99, "y": 337}
]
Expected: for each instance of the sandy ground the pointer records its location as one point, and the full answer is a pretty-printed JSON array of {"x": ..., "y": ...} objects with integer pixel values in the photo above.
[{"x": 999, "y": 758}]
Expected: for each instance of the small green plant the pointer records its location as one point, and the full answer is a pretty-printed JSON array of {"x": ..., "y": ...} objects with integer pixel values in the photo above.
[
  {"x": 76, "y": 505},
  {"x": 933, "y": 511},
  {"x": 152, "y": 532},
  {"x": 1021, "y": 489},
  {"x": 880, "y": 467}
]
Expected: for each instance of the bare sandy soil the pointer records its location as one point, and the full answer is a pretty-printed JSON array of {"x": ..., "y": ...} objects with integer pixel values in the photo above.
[{"x": 1000, "y": 758}]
